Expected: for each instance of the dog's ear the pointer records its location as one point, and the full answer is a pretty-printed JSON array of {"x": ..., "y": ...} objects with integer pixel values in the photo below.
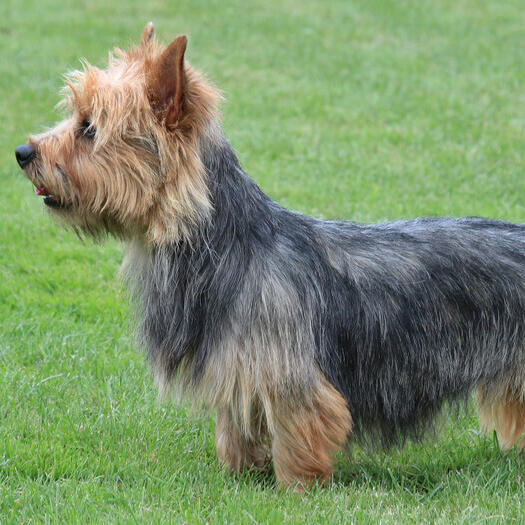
[
  {"x": 147, "y": 34},
  {"x": 166, "y": 81}
]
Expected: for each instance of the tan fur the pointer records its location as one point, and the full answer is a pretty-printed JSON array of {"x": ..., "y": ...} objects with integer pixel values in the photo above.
[
  {"x": 235, "y": 450},
  {"x": 307, "y": 437},
  {"x": 140, "y": 176},
  {"x": 506, "y": 416},
  {"x": 147, "y": 34},
  {"x": 304, "y": 436},
  {"x": 157, "y": 187}
]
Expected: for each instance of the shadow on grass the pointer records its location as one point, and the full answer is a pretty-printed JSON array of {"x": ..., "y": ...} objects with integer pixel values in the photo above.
[
  {"x": 421, "y": 470},
  {"x": 424, "y": 470}
]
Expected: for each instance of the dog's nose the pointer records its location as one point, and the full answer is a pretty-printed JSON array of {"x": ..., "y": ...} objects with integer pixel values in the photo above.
[{"x": 24, "y": 154}]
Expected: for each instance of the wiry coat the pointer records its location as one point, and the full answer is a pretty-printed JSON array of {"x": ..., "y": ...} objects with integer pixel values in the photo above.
[
  {"x": 399, "y": 317},
  {"x": 301, "y": 333}
]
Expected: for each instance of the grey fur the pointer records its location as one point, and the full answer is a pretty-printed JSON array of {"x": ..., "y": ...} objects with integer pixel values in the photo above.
[{"x": 398, "y": 317}]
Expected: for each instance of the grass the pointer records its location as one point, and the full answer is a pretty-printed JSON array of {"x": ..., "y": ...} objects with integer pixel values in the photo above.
[{"x": 371, "y": 110}]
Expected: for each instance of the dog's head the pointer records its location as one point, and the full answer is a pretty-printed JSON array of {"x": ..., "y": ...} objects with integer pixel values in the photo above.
[{"x": 126, "y": 159}]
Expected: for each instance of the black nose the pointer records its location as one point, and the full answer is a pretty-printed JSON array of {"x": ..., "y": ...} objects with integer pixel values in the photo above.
[{"x": 24, "y": 154}]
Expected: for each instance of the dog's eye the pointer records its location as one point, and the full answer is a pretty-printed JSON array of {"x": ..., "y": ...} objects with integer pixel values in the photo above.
[{"x": 87, "y": 129}]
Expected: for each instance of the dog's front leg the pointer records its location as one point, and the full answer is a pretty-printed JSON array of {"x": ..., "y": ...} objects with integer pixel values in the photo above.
[
  {"x": 306, "y": 436},
  {"x": 235, "y": 450}
]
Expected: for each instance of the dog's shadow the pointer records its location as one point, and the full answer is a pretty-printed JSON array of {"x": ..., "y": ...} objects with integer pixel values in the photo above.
[
  {"x": 423, "y": 470},
  {"x": 426, "y": 469}
]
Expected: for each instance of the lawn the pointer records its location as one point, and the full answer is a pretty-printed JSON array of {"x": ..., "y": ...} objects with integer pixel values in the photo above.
[{"x": 370, "y": 110}]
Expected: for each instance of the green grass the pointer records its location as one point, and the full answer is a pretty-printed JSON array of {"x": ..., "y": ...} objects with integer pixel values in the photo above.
[{"x": 371, "y": 110}]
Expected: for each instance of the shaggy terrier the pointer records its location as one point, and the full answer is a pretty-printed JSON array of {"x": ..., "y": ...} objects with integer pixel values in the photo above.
[{"x": 300, "y": 333}]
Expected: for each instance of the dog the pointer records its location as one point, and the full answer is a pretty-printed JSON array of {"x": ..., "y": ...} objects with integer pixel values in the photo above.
[{"x": 301, "y": 333}]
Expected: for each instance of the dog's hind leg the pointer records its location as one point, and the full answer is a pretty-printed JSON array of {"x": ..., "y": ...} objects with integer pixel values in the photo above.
[
  {"x": 505, "y": 415},
  {"x": 305, "y": 437},
  {"x": 235, "y": 449}
]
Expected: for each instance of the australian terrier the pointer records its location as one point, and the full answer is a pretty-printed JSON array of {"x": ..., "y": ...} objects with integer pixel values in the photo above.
[{"x": 301, "y": 333}]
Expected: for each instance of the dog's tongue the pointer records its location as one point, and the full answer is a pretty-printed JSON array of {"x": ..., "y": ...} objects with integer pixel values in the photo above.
[{"x": 41, "y": 190}]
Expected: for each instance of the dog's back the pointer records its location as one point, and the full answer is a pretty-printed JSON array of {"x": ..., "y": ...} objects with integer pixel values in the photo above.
[{"x": 292, "y": 328}]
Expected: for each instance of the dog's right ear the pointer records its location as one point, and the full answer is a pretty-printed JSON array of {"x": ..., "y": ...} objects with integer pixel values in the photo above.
[
  {"x": 147, "y": 34},
  {"x": 166, "y": 82}
]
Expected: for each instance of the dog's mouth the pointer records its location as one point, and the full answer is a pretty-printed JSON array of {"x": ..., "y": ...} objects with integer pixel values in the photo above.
[{"x": 49, "y": 200}]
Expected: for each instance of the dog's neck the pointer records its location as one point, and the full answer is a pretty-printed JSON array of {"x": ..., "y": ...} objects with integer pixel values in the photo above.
[
  {"x": 228, "y": 197},
  {"x": 180, "y": 286}
]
